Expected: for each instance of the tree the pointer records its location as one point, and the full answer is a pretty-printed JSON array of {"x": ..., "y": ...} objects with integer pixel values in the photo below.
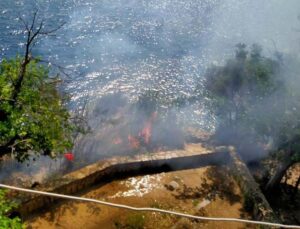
[
  {"x": 239, "y": 86},
  {"x": 254, "y": 102},
  {"x": 33, "y": 115}
]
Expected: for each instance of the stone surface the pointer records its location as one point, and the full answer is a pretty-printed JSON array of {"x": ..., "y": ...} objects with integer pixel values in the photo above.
[
  {"x": 84, "y": 178},
  {"x": 173, "y": 185},
  {"x": 203, "y": 204}
]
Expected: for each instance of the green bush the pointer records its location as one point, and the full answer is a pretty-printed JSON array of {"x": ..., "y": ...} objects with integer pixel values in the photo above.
[
  {"x": 5, "y": 207},
  {"x": 132, "y": 221},
  {"x": 36, "y": 121}
]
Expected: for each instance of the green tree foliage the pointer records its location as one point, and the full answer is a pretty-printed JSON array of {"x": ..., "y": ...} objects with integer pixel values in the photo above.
[
  {"x": 255, "y": 99},
  {"x": 243, "y": 82},
  {"x": 5, "y": 207},
  {"x": 36, "y": 120}
]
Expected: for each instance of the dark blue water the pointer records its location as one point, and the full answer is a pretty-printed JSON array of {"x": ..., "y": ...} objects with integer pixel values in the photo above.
[{"x": 130, "y": 45}]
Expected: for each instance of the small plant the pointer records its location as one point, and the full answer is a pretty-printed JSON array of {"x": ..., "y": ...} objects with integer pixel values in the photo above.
[
  {"x": 5, "y": 207},
  {"x": 135, "y": 221},
  {"x": 132, "y": 221},
  {"x": 156, "y": 204},
  {"x": 248, "y": 202},
  {"x": 195, "y": 202}
]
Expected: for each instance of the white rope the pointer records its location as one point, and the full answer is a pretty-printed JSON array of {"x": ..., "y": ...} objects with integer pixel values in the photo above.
[{"x": 147, "y": 209}]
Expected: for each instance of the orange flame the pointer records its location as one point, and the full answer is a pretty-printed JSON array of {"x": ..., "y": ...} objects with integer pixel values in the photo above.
[
  {"x": 146, "y": 132},
  {"x": 133, "y": 142},
  {"x": 144, "y": 136}
]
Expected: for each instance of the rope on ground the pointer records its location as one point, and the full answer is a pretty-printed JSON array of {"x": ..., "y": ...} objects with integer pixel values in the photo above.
[{"x": 148, "y": 209}]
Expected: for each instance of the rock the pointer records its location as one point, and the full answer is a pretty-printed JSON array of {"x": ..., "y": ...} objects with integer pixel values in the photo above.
[
  {"x": 19, "y": 179},
  {"x": 178, "y": 179},
  {"x": 221, "y": 149},
  {"x": 172, "y": 185},
  {"x": 203, "y": 204},
  {"x": 141, "y": 186}
]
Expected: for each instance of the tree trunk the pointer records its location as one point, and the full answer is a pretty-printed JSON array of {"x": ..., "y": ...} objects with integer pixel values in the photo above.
[
  {"x": 275, "y": 180},
  {"x": 20, "y": 79}
]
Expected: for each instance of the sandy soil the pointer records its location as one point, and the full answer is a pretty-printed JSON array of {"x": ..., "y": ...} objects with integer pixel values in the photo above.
[{"x": 208, "y": 191}]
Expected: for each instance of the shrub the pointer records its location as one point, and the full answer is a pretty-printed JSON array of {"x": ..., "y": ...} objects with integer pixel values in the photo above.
[{"x": 6, "y": 207}]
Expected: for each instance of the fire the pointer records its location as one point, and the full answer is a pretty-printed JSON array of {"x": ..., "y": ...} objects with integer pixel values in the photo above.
[
  {"x": 69, "y": 156},
  {"x": 146, "y": 132},
  {"x": 144, "y": 136},
  {"x": 133, "y": 142}
]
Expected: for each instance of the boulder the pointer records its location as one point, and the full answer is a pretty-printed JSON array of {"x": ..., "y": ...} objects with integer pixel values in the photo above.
[
  {"x": 173, "y": 185},
  {"x": 203, "y": 204}
]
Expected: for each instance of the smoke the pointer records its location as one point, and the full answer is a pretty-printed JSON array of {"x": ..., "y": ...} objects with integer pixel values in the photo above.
[
  {"x": 123, "y": 127},
  {"x": 264, "y": 115},
  {"x": 119, "y": 50}
]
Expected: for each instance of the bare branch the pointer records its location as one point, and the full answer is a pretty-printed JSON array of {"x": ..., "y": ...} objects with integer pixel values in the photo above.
[
  {"x": 33, "y": 20},
  {"x": 38, "y": 32},
  {"x": 24, "y": 23},
  {"x": 62, "y": 69},
  {"x": 49, "y": 32},
  {"x": 57, "y": 81},
  {"x": 32, "y": 35}
]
